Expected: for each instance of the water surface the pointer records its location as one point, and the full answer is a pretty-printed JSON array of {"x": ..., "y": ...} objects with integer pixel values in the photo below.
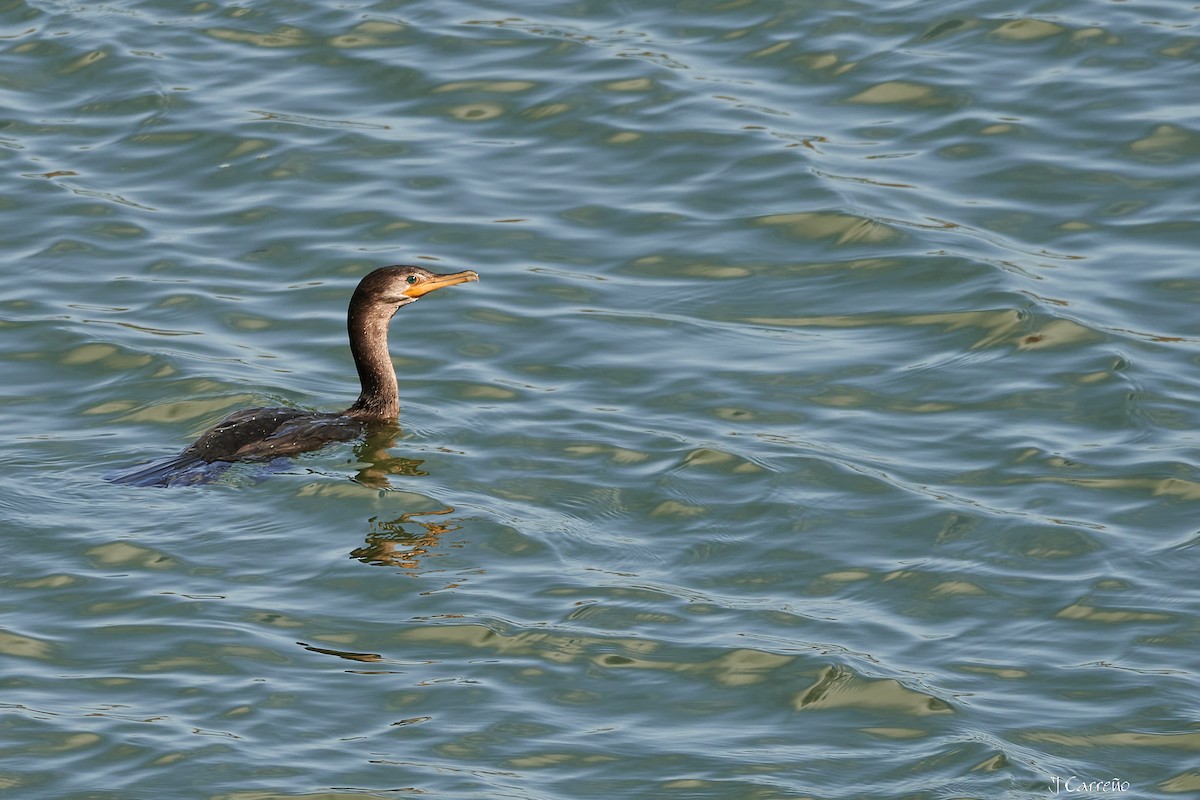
[{"x": 822, "y": 424}]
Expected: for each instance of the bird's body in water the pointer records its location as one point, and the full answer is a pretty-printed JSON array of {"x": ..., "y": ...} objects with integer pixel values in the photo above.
[{"x": 265, "y": 434}]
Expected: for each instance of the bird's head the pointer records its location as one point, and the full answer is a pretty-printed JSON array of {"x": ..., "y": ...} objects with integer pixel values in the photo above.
[{"x": 403, "y": 284}]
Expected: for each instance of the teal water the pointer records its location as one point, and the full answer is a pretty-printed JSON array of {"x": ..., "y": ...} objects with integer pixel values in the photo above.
[{"x": 822, "y": 426}]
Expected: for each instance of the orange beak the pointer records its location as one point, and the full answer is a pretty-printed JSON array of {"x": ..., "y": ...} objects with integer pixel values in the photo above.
[{"x": 439, "y": 281}]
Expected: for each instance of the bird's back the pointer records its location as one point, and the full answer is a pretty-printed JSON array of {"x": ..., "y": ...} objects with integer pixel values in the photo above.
[
  {"x": 254, "y": 434},
  {"x": 257, "y": 434}
]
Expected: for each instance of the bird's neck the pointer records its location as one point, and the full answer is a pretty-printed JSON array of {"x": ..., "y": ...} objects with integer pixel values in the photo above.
[{"x": 379, "y": 400}]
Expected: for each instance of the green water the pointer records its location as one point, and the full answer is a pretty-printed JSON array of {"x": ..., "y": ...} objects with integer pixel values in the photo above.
[{"x": 822, "y": 425}]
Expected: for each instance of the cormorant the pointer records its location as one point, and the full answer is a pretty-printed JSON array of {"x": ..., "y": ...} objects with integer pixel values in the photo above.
[{"x": 264, "y": 434}]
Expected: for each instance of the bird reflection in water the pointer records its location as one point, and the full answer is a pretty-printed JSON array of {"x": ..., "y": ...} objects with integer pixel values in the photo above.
[
  {"x": 377, "y": 464},
  {"x": 404, "y": 541}
]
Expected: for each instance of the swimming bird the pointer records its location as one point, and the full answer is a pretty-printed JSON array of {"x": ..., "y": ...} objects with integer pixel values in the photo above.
[{"x": 265, "y": 434}]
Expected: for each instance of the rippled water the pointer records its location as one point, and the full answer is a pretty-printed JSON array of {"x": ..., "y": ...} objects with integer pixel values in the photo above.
[{"x": 822, "y": 424}]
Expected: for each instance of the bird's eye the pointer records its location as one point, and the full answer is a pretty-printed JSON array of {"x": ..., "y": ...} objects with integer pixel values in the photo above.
[{"x": 411, "y": 279}]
